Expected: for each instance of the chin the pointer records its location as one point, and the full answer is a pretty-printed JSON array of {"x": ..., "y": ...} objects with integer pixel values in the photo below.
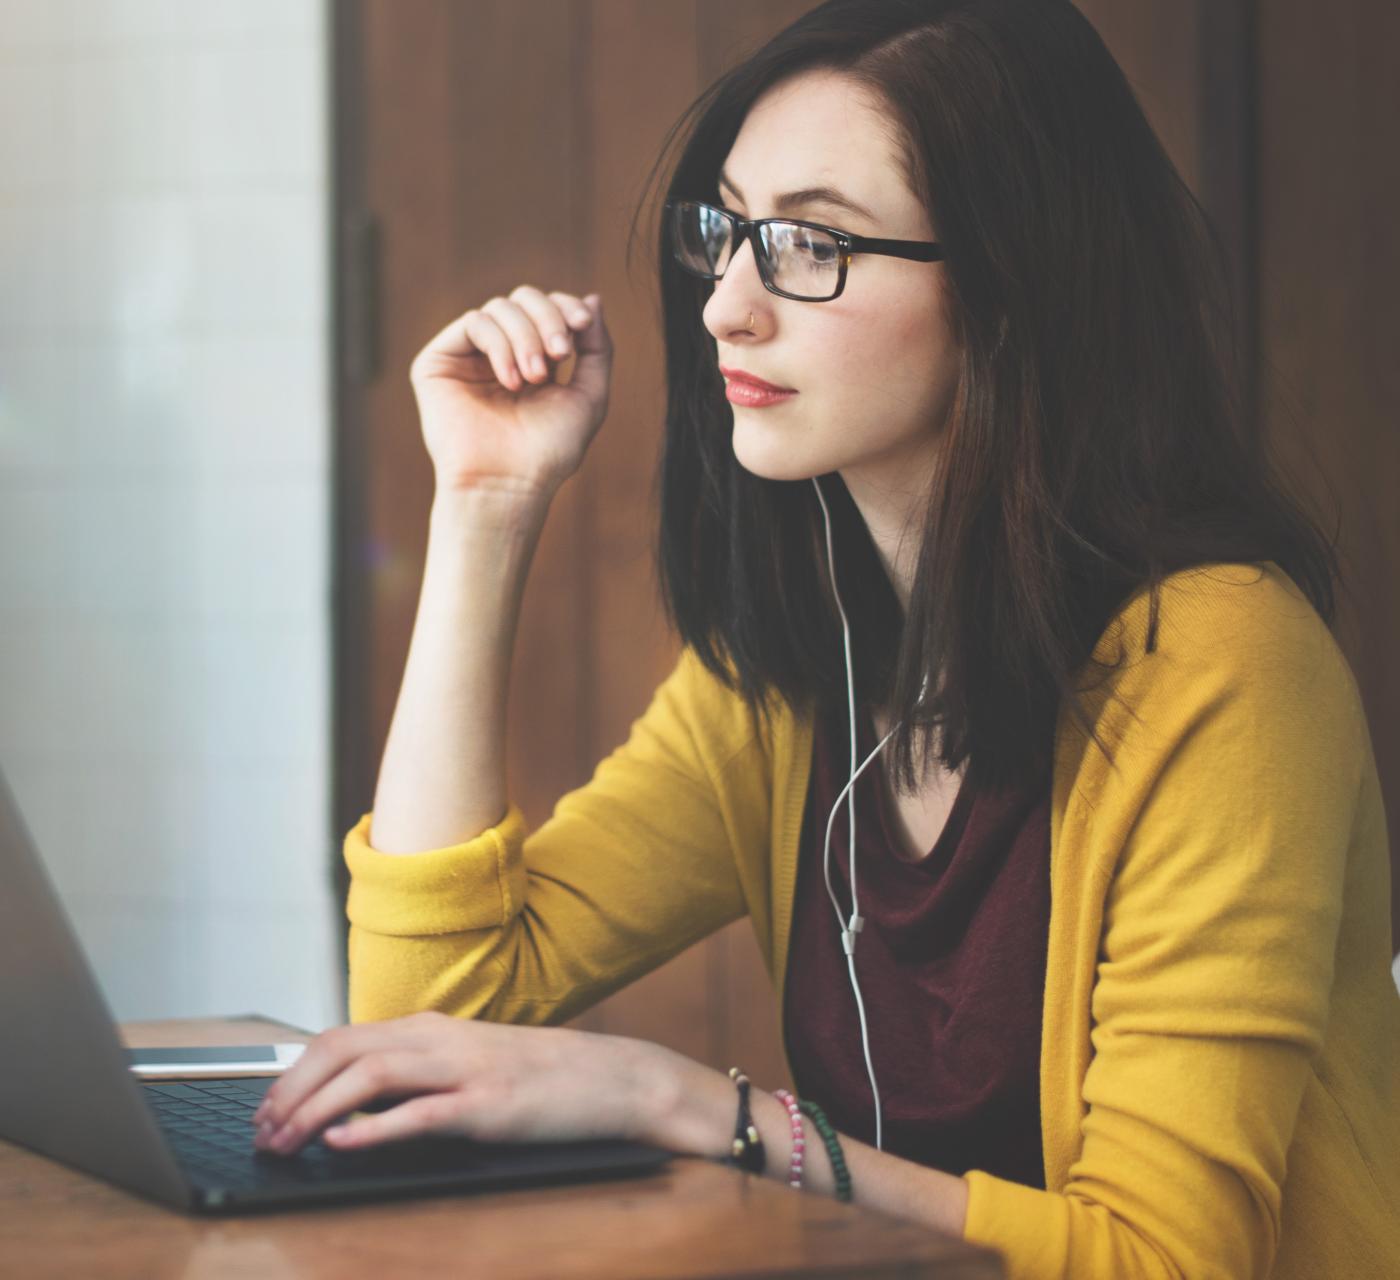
[{"x": 772, "y": 453}]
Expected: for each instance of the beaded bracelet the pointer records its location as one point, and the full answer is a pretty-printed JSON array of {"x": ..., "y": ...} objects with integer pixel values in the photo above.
[
  {"x": 799, "y": 1140},
  {"x": 833, "y": 1148},
  {"x": 747, "y": 1151}
]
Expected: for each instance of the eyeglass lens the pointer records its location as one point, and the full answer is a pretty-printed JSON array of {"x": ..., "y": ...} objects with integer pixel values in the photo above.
[{"x": 798, "y": 260}]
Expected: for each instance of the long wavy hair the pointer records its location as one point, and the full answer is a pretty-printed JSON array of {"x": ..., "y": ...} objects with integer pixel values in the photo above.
[{"x": 1096, "y": 441}]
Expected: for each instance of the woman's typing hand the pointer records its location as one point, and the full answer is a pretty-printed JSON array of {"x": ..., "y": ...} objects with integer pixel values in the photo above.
[{"x": 490, "y": 1081}]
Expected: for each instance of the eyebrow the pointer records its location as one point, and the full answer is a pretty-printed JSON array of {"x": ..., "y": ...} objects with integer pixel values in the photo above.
[{"x": 790, "y": 200}]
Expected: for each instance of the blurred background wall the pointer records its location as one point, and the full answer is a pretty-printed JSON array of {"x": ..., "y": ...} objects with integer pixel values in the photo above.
[{"x": 164, "y": 491}]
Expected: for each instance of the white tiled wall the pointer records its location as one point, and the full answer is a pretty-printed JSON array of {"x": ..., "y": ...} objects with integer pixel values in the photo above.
[{"x": 164, "y": 490}]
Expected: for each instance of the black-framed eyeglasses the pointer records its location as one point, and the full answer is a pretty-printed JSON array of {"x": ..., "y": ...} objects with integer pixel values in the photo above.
[{"x": 806, "y": 261}]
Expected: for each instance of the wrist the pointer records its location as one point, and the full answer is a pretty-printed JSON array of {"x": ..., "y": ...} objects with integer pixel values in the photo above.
[
  {"x": 509, "y": 508},
  {"x": 689, "y": 1108},
  {"x": 683, "y": 1105}
]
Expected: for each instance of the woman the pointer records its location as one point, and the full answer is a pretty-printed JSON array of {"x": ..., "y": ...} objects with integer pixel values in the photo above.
[{"x": 1119, "y": 1000}]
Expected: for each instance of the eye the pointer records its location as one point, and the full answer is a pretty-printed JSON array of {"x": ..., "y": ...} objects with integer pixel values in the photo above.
[{"x": 820, "y": 245}]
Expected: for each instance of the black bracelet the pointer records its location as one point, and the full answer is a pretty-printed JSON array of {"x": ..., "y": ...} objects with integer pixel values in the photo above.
[{"x": 747, "y": 1150}]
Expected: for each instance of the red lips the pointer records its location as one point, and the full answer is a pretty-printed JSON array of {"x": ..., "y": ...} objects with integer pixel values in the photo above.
[{"x": 738, "y": 375}]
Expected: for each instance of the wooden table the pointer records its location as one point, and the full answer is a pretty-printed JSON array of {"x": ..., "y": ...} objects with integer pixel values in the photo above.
[{"x": 695, "y": 1218}]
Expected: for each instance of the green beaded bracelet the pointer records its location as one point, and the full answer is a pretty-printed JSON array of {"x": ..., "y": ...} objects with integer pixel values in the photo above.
[{"x": 833, "y": 1147}]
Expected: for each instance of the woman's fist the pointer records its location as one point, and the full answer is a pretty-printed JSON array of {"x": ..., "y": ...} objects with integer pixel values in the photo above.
[{"x": 495, "y": 410}]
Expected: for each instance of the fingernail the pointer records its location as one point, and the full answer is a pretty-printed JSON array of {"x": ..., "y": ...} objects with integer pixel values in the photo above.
[
  {"x": 559, "y": 345},
  {"x": 536, "y": 365}
]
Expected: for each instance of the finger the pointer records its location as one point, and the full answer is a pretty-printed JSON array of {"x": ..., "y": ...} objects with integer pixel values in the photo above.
[
  {"x": 454, "y": 339},
  {"x": 595, "y": 352},
  {"x": 431, "y": 1113},
  {"x": 556, "y": 337},
  {"x": 486, "y": 334},
  {"x": 323, "y": 1058},
  {"x": 526, "y": 343},
  {"x": 330, "y": 1051},
  {"x": 477, "y": 340},
  {"x": 377, "y": 1073},
  {"x": 576, "y": 313}
]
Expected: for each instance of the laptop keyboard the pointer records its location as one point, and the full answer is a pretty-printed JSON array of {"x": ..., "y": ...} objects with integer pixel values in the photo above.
[{"x": 209, "y": 1125}]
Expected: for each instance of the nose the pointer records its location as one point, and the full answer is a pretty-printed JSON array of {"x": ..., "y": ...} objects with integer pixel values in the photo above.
[{"x": 737, "y": 295}]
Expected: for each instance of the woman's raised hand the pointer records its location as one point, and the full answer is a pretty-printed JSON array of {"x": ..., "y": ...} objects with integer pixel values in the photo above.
[{"x": 493, "y": 415}]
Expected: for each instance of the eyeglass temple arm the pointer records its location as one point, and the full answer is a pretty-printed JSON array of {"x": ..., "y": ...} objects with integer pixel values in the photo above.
[{"x": 915, "y": 250}]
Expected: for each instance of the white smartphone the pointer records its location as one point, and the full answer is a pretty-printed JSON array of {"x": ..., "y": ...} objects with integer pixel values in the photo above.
[{"x": 214, "y": 1060}]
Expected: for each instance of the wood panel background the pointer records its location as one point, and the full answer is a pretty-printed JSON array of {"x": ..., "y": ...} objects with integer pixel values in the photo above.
[
  {"x": 481, "y": 144},
  {"x": 1328, "y": 159}
]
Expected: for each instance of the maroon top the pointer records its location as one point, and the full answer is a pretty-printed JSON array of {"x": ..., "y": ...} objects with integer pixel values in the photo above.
[{"x": 951, "y": 965}]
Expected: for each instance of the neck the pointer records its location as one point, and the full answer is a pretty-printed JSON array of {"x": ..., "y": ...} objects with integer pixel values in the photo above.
[{"x": 894, "y": 514}]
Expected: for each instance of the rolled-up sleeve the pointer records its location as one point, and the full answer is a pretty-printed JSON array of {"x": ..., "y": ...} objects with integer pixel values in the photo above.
[{"x": 535, "y": 926}]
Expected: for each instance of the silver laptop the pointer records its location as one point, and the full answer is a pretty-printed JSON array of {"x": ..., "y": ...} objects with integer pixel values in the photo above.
[{"x": 67, "y": 1091}]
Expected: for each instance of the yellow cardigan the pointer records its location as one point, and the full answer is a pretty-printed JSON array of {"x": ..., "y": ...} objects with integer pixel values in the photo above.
[{"x": 1220, "y": 1062}]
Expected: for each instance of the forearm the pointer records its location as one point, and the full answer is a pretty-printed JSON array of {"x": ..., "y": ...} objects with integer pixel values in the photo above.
[
  {"x": 691, "y": 1109},
  {"x": 442, "y": 779}
]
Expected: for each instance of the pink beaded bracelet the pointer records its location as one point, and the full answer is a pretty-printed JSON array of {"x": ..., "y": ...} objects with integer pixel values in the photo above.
[{"x": 799, "y": 1142}]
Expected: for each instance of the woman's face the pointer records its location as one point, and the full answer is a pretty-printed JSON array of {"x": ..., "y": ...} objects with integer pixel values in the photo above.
[{"x": 875, "y": 368}]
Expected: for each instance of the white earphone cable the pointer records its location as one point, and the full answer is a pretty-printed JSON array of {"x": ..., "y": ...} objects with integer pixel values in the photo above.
[{"x": 850, "y": 929}]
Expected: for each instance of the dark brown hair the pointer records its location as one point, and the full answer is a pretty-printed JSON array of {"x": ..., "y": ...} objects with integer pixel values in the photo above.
[{"x": 1096, "y": 442}]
